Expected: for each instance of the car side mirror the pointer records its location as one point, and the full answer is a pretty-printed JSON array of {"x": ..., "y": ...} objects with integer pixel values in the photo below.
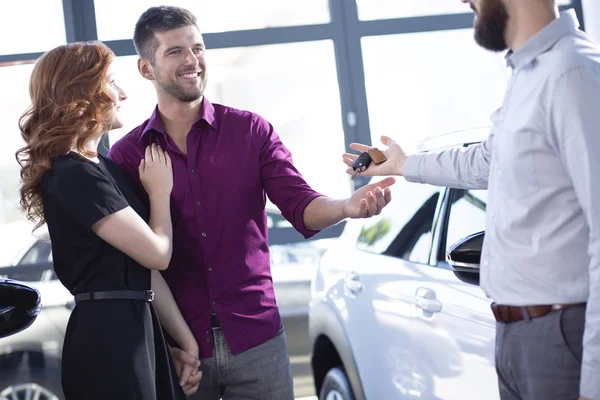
[
  {"x": 19, "y": 306},
  {"x": 464, "y": 257}
]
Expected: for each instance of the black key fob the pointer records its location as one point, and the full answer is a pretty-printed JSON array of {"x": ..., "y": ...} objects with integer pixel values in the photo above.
[{"x": 362, "y": 162}]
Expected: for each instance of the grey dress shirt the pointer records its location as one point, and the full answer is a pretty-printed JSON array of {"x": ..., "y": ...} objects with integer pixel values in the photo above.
[{"x": 542, "y": 242}]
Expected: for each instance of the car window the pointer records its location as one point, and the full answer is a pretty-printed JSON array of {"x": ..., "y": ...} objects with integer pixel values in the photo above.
[
  {"x": 467, "y": 214},
  {"x": 40, "y": 252},
  {"x": 403, "y": 229}
]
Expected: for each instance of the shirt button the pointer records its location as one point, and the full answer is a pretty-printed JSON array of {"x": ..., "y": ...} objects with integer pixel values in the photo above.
[
  {"x": 203, "y": 234},
  {"x": 197, "y": 203},
  {"x": 486, "y": 262},
  {"x": 207, "y": 340},
  {"x": 206, "y": 332},
  {"x": 193, "y": 171},
  {"x": 214, "y": 302},
  {"x": 209, "y": 269}
]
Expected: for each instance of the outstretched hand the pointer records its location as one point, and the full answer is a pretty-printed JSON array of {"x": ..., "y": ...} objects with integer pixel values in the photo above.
[
  {"x": 369, "y": 200},
  {"x": 393, "y": 166}
]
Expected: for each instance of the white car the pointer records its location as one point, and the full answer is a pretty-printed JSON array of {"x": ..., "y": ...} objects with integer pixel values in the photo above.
[{"x": 396, "y": 311}]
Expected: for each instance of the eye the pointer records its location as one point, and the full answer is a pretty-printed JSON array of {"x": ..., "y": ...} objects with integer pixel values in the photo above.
[
  {"x": 175, "y": 52},
  {"x": 199, "y": 49}
]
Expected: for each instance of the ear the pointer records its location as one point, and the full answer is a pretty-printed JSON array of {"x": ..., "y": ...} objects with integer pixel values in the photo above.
[{"x": 145, "y": 69}]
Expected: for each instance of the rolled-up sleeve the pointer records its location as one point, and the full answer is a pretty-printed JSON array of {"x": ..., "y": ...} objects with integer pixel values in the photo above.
[
  {"x": 284, "y": 184},
  {"x": 575, "y": 121}
]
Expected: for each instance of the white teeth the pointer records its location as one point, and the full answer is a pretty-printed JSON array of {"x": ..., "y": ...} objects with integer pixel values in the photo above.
[{"x": 192, "y": 75}]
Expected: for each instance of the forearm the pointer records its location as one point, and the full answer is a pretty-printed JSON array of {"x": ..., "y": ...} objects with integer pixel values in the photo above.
[
  {"x": 323, "y": 212},
  {"x": 170, "y": 315},
  {"x": 160, "y": 223},
  {"x": 466, "y": 168}
]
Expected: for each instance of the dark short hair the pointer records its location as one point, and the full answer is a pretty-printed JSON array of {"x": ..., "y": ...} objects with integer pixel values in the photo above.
[{"x": 157, "y": 20}]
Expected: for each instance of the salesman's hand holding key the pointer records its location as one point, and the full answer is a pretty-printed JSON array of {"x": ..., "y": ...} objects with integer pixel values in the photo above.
[
  {"x": 364, "y": 160},
  {"x": 387, "y": 162}
]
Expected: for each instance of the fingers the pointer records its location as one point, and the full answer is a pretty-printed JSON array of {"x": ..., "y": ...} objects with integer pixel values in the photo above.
[
  {"x": 178, "y": 367},
  {"x": 161, "y": 154},
  {"x": 194, "y": 379},
  {"x": 186, "y": 372},
  {"x": 142, "y": 166},
  {"x": 360, "y": 147},
  {"x": 351, "y": 157},
  {"x": 186, "y": 367},
  {"x": 348, "y": 162},
  {"x": 193, "y": 383},
  {"x": 371, "y": 204},
  {"x": 388, "y": 141},
  {"x": 387, "y": 182},
  {"x": 184, "y": 357},
  {"x": 379, "y": 200},
  {"x": 154, "y": 152},
  {"x": 387, "y": 194},
  {"x": 148, "y": 154},
  {"x": 364, "y": 208},
  {"x": 190, "y": 390}
]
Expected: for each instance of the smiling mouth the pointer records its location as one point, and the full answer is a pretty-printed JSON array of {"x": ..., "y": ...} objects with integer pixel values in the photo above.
[{"x": 191, "y": 75}]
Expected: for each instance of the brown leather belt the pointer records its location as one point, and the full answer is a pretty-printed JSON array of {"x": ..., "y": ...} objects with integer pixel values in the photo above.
[{"x": 513, "y": 313}]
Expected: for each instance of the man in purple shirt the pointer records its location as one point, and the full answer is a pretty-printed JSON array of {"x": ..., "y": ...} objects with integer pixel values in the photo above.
[{"x": 225, "y": 163}]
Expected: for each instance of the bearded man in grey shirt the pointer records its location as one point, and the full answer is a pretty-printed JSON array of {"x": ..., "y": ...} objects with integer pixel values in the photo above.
[{"x": 541, "y": 255}]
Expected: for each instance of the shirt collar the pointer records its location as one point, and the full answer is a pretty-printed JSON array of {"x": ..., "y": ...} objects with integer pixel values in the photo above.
[
  {"x": 207, "y": 113},
  {"x": 543, "y": 40}
]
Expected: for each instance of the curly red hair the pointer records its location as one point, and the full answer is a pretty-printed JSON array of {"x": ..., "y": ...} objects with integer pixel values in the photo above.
[{"x": 70, "y": 105}]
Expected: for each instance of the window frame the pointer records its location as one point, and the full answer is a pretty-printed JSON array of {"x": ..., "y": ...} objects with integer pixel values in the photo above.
[{"x": 345, "y": 29}]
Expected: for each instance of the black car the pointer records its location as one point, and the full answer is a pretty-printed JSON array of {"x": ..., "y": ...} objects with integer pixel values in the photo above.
[{"x": 20, "y": 305}]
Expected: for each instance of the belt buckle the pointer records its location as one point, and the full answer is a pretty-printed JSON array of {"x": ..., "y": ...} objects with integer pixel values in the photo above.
[{"x": 149, "y": 295}]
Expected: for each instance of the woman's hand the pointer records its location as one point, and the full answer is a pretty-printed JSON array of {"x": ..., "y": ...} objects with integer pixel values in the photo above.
[{"x": 156, "y": 172}]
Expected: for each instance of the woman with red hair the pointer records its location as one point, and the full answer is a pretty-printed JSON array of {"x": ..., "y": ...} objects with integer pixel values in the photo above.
[{"x": 108, "y": 250}]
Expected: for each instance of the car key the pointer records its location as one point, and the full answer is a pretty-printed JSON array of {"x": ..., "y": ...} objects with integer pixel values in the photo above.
[
  {"x": 361, "y": 163},
  {"x": 364, "y": 160}
]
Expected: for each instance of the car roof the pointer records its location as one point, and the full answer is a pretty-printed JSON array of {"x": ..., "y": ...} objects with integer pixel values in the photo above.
[
  {"x": 27, "y": 242},
  {"x": 454, "y": 138}
]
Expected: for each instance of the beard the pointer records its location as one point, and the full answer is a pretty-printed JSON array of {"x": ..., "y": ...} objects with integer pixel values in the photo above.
[
  {"x": 175, "y": 89},
  {"x": 490, "y": 25}
]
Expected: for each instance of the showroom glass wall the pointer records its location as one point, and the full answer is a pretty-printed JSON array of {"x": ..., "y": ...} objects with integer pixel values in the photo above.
[{"x": 325, "y": 73}]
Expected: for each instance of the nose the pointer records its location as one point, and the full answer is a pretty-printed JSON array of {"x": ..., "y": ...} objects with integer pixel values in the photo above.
[
  {"x": 122, "y": 95},
  {"x": 190, "y": 57}
]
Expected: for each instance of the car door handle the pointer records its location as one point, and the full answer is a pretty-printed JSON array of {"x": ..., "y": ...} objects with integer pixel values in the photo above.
[
  {"x": 427, "y": 300},
  {"x": 352, "y": 284}
]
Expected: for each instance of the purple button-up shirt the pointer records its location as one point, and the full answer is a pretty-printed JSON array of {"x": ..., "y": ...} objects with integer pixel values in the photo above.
[{"x": 220, "y": 253}]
